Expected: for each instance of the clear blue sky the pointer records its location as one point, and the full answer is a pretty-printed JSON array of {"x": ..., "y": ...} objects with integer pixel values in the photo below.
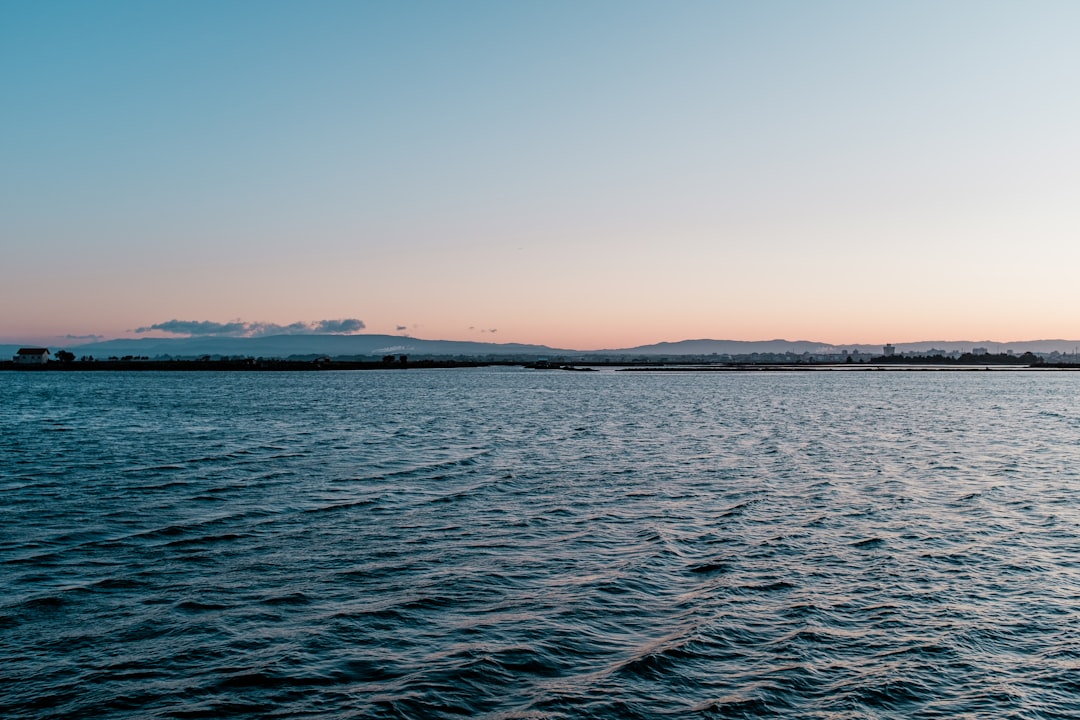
[{"x": 582, "y": 174}]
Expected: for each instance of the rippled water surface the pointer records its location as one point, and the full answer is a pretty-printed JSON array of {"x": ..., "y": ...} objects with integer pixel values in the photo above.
[{"x": 525, "y": 544}]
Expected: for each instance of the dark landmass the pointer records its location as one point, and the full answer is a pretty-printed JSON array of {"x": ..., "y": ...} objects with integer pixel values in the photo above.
[
  {"x": 366, "y": 348},
  {"x": 858, "y": 367},
  {"x": 66, "y": 362},
  {"x": 237, "y": 364},
  {"x": 361, "y": 347},
  {"x": 965, "y": 359}
]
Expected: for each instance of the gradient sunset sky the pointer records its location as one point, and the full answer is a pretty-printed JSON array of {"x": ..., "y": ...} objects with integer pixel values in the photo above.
[{"x": 582, "y": 174}]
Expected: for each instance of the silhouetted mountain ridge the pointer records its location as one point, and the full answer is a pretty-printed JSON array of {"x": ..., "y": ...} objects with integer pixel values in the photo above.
[{"x": 280, "y": 346}]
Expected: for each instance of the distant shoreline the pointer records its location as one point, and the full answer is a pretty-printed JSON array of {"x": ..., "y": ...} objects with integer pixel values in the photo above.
[
  {"x": 833, "y": 367},
  {"x": 264, "y": 365},
  {"x": 261, "y": 365}
]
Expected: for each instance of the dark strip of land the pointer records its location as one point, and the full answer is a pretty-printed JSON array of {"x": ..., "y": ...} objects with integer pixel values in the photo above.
[
  {"x": 230, "y": 365},
  {"x": 279, "y": 365},
  {"x": 857, "y": 367}
]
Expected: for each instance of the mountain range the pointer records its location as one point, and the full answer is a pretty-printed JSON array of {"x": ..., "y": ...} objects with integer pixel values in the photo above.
[{"x": 283, "y": 346}]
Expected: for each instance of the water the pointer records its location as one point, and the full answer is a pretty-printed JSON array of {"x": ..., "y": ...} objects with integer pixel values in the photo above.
[{"x": 525, "y": 544}]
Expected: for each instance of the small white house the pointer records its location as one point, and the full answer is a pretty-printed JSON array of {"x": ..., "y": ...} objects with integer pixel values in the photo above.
[{"x": 32, "y": 356}]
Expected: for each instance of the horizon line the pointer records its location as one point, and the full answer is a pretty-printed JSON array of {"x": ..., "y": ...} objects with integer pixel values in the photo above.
[{"x": 64, "y": 342}]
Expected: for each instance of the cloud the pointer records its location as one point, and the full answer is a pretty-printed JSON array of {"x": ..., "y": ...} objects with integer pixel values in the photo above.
[
  {"x": 84, "y": 337},
  {"x": 239, "y": 328},
  {"x": 337, "y": 327},
  {"x": 198, "y": 327}
]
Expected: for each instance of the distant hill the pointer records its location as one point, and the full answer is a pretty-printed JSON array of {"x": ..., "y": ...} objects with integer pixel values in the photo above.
[
  {"x": 724, "y": 347},
  {"x": 8, "y": 351},
  {"x": 283, "y": 346}
]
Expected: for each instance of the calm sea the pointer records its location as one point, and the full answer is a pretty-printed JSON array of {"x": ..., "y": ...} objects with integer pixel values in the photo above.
[{"x": 506, "y": 543}]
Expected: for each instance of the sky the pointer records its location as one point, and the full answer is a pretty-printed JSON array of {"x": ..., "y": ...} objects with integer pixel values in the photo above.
[{"x": 579, "y": 173}]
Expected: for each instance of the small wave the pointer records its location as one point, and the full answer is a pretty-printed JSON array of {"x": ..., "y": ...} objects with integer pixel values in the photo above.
[
  {"x": 428, "y": 602},
  {"x": 367, "y": 670},
  {"x": 343, "y": 505},
  {"x": 740, "y": 507},
  {"x": 457, "y": 495},
  {"x": 710, "y": 568},
  {"x": 206, "y": 459},
  {"x": 921, "y": 650},
  {"x": 993, "y": 490},
  {"x": 47, "y": 558},
  {"x": 425, "y": 468},
  {"x": 735, "y": 706},
  {"x": 262, "y": 680},
  {"x": 770, "y": 587},
  {"x": 206, "y": 540},
  {"x": 119, "y": 584},
  {"x": 225, "y": 708},
  {"x": 295, "y": 598},
  {"x": 195, "y": 606},
  {"x": 167, "y": 485},
  {"x": 660, "y": 657},
  {"x": 46, "y": 603},
  {"x": 170, "y": 467},
  {"x": 167, "y": 531},
  {"x": 895, "y": 695}
]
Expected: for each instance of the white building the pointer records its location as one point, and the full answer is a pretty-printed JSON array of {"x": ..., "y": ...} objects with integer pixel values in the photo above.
[{"x": 32, "y": 356}]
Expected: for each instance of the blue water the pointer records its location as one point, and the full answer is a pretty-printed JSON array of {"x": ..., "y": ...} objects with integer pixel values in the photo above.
[{"x": 505, "y": 543}]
